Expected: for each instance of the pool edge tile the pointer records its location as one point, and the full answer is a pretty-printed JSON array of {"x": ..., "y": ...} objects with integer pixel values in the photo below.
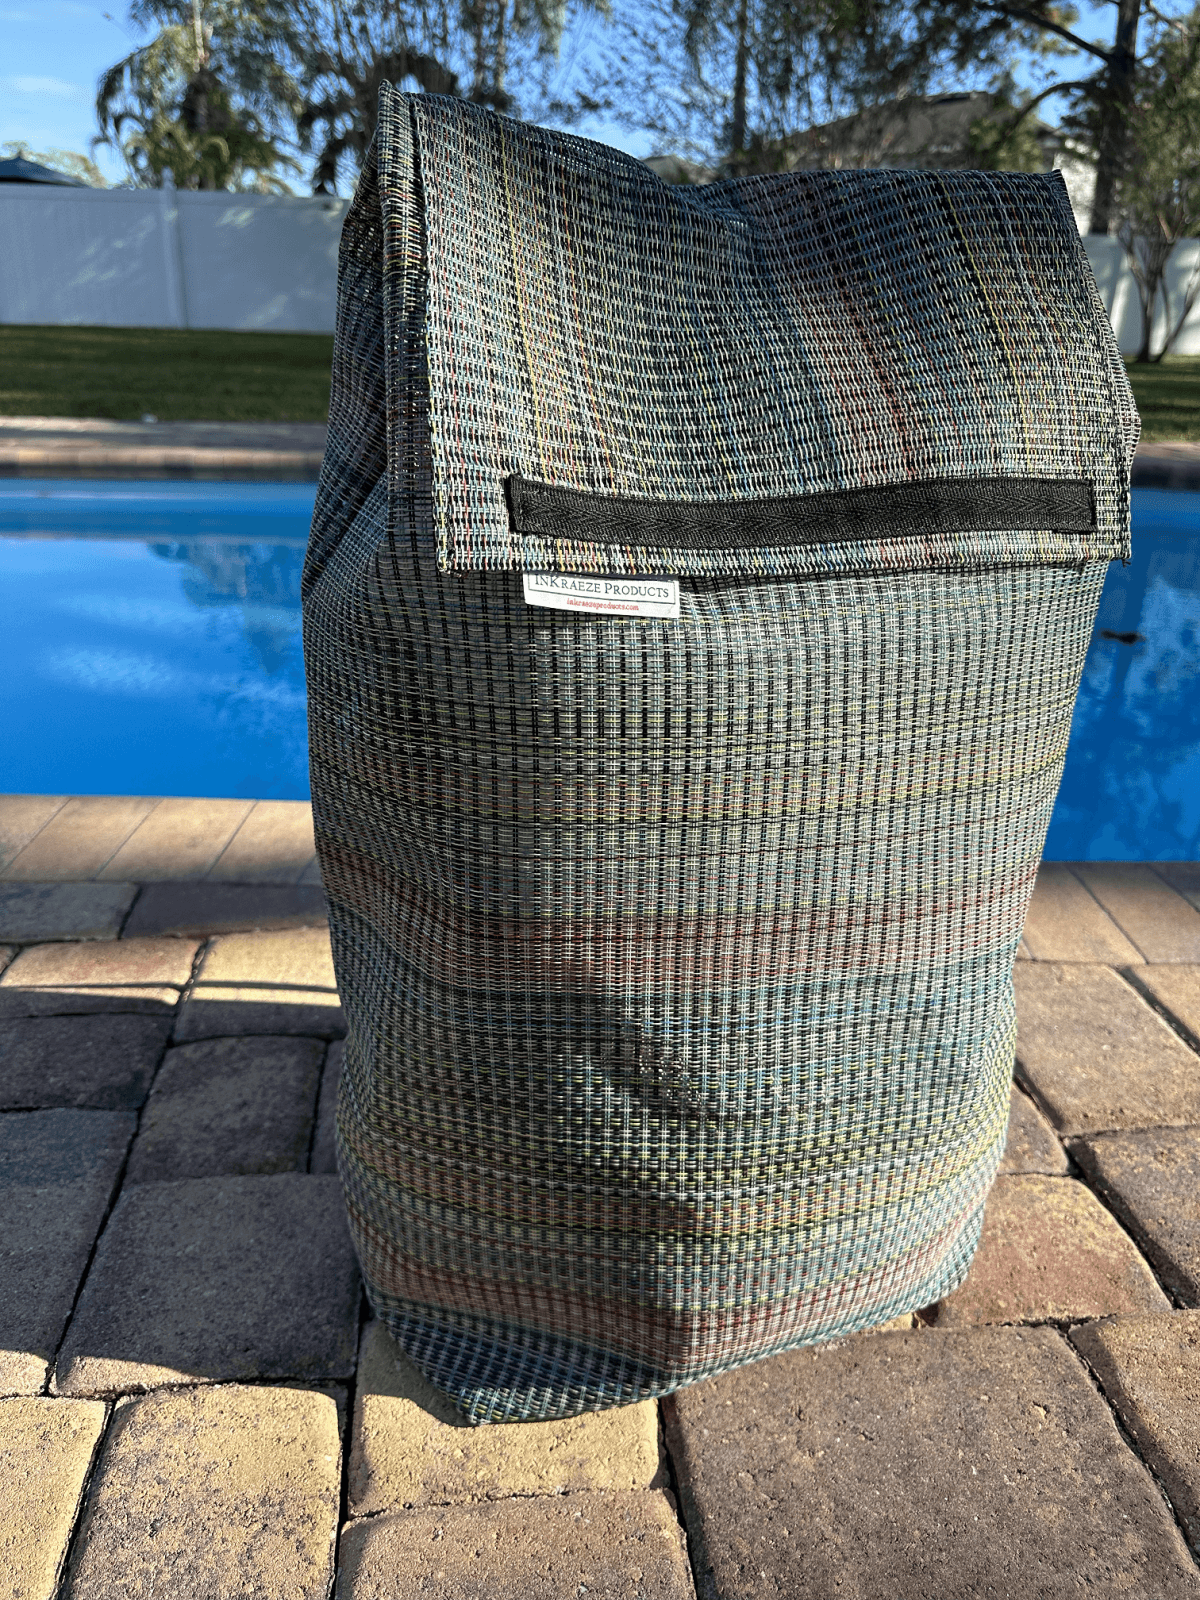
[
  {"x": 181, "y": 838},
  {"x": 22, "y": 818},
  {"x": 81, "y": 838}
]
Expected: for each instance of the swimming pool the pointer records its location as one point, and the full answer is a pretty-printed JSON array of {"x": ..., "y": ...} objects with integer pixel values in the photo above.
[
  {"x": 1131, "y": 787},
  {"x": 151, "y": 645},
  {"x": 151, "y": 638}
]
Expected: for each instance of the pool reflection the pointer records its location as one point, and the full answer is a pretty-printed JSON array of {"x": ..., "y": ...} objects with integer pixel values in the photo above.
[
  {"x": 1131, "y": 789},
  {"x": 263, "y": 580}
]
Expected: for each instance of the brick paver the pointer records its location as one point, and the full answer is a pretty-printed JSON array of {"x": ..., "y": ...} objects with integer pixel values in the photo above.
[
  {"x": 135, "y": 975},
  {"x": 1032, "y": 1145},
  {"x": 103, "y": 1062},
  {"x": 178, "y": 839},
  {"x": 35, "y": 911},
  {"x": 79, "y": 840},
  {"x": 1067, "y": 923},
  {"x": 1184, "y": 878},
  {"x": 226, "y": 1106},
  {"x": 411, "y": 1448},
  {"x": 216, "y": 1280},
  {"x": 980, "y": 1462},
  {"x": 1152, "y": 1181},
  {"x": 1050, "y": 1252},
  {"x": 1159, "y": 920},
  {"x": 92, "y": 447},
  {"x": 1177, "y": 990},
  {"x": 1150, "y": 1370},
  {"x": 222, "y": 1493},
  {"x": 211, "y": 908},
  {"x": 273, "y": 845},
  {"x": 264, "y": 983},
  {"x": 238, "y": 1276},
  {"x": 46, "y": 1448},
  {"x": 1097, "y": 1055},
  {"x": 57, "y": 1173},
  {"x": 57, "y": 838},
  {"x": 22, "y": 818},
  {"x": 605, "y": 1545}
]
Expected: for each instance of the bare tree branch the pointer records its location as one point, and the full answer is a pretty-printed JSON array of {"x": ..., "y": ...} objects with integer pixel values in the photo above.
[
  {"x": 1176, "y": 23},
  {"x": 1083, "y": 85},
  {"x": 1039, "y": 20}
]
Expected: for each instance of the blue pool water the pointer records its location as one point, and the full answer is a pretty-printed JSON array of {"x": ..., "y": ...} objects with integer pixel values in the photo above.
[
  {"x": 150, "y": 639},
  {"x": 150, "y": 644},
  {"x": 1131, "y": 788}
]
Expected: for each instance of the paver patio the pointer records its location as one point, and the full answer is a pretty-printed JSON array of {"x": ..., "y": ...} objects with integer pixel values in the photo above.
[{"x": 194, "y": 1402}]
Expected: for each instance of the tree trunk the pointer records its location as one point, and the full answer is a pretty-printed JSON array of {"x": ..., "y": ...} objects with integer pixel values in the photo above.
[
  {"x": 1147, "y": 260},
  {"x": 479, "y": 40},
  {"x": 1147, "y": 327},
  {"x": 737, "y": 131},
  {"x": 1118, "y": 90},
  {"x": 489, "y": 30},
  {"x": 500, "y": 63}
]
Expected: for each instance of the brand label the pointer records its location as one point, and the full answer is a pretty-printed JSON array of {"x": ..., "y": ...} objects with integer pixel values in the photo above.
[{"x": 613, "y": 597}]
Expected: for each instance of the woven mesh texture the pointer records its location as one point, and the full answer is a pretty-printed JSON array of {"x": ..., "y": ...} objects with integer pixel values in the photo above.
[
  {"x": 592, "y": 327},
  {"x": 676, "y": 955}
]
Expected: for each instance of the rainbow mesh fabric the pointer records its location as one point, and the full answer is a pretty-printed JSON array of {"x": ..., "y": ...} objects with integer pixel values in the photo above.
[{"x": 676, "y": 954}]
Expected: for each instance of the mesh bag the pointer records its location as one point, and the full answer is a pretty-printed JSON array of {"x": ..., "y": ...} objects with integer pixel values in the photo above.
[{"x": 676, "y": 951}]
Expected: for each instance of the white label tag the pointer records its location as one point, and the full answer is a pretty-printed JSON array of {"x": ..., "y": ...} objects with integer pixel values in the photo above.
[{"x": 613, "y": 597}]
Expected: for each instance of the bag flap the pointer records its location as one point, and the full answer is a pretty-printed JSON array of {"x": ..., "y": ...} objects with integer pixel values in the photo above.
[{"x": 810, "y": 372}]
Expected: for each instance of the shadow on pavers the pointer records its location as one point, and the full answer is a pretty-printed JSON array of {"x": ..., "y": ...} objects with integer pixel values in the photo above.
[{"x": 231, "y": 1259}]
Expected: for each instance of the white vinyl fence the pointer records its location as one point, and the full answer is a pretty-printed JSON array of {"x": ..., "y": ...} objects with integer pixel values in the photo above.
[
  {"x": 163, "y": 258},
  {"x": 1119, "y": 293}
]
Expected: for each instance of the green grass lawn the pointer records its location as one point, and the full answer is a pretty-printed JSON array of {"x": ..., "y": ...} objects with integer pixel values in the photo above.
[
  {"x": 182, "y": 376},
  {"x": 176, "y": 374},
  {"x": 1168, "y": 396}
]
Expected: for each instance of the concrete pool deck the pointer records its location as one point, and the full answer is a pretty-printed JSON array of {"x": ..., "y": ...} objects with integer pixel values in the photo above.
[
  {"x": 197, "y": 1404},
  {"x": 83, "y": 447}
]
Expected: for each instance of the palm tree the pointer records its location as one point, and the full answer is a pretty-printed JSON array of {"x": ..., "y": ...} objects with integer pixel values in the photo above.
[
  {"x": 199, "y": 99},
  {"x": 346, "y": 48},
  {"x": 344, "y": 52}
]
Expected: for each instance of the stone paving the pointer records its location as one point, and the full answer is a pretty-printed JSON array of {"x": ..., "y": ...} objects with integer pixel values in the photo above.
[
  {"x": 95, "y": 447},
  {"x": 92, "y": 447},
  {"x": 195, "y": 1403}
]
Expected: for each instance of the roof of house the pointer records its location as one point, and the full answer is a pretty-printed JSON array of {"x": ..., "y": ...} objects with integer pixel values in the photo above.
[{"x": 19, "y": 169}]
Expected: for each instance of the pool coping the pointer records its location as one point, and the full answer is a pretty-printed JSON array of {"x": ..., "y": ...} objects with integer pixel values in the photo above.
[
  {"x": 230, "y": 452},
  {"x": 247, "y": 452},
  {"x": 1167, "y": 466},
  {"x": 146, "y": 839}
]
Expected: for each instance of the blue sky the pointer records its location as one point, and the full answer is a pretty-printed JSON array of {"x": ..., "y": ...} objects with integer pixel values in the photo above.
[{"x": 53, "y": 51}]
